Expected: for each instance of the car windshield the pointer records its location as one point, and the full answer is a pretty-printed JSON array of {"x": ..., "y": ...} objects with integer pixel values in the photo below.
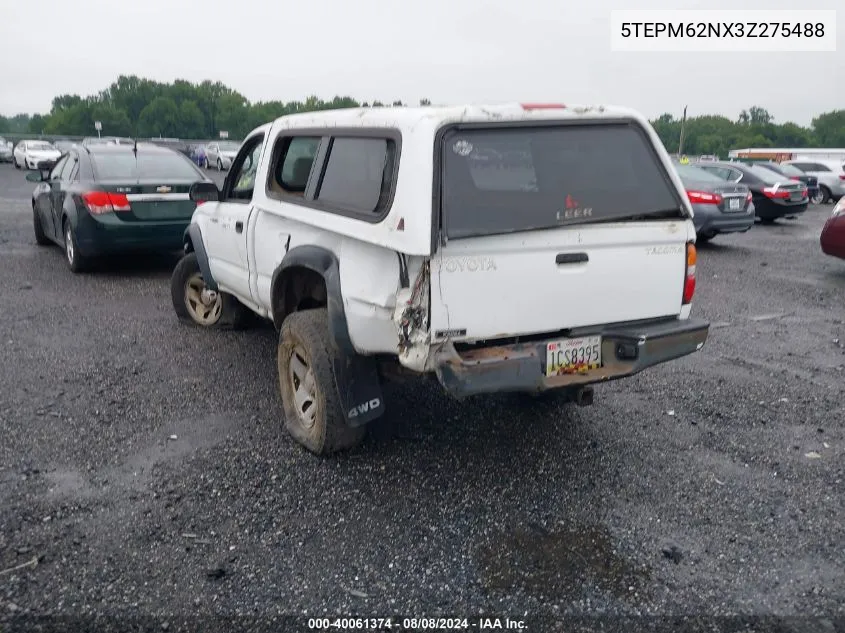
[
  {"x": 229, "y": 146},
  {"x": 39, "y": 146},
  {"x": 768, "y": 176},
  {"x": 789, "y": 170},
  {"x": 165, "y": 166},
  {"x": 502, "y": 180},
  {"x": 689, "y": 173}
]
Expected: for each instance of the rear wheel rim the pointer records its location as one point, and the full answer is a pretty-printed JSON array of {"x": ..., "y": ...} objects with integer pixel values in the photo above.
[
  {"x": 817, "y": 197},
  {"x": 303, "y": 385},
  {"x": 204, "y": 305},
  {"x": 69, "y": 251}
]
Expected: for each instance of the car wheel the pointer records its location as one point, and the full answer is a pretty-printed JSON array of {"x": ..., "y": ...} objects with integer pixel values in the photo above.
[
  {"x": 219, "y": 165},
  {"x": 40, "y": 236},
  {"x": 15, "y": 161},
  {"x": 703, "y": 238},
  {"x": 818, "y": 197},
  {"x": 195, "y": 303},
  {"x": 767, "y": 221},
  {"x": 313, "y": 413},
  {"x": 824, "y": 192},
  {"x": 205, "y": 163},
  {"x": 75, "y": 261}
]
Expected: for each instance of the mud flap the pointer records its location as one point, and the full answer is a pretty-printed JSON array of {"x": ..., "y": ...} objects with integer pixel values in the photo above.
[{"x": 359, "y": 388}]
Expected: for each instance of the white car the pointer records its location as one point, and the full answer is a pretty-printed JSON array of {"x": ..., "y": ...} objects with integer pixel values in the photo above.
[
  {"x": 5, "y": 151},
  {"x": 380, "y": 244},
  {"x": 28, "y": 154},
  {"x": 220, "y": 154},
  {"x": 830, "y": 174}
]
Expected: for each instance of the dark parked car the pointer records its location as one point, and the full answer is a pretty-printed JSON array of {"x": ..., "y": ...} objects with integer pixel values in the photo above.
[
  {"x": 793, "y": 173},
  {"x": 106, "y": 199},
  {"x": 774, "y": 196},
  {"x": 719, "y": 206},
  {"x": 833, "y": 234},
  {"x": 182, "y": 147}
]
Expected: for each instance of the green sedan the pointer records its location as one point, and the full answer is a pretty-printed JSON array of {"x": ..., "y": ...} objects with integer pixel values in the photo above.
[{"x": 109, "y": 199}]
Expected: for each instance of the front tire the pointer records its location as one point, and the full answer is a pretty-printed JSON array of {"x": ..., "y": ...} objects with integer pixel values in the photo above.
[
  {"x": 15, "y": 161},
  {"x": 219, "y": 165},
  {"x": 817, "y": 198},
  {"x": 703, "y": 238},
  {"x": 305, "y": 359},
  {"x": 195, "y": 303},
  {"x": 40, "y": 236},
  {"x": 825, "y": 194}
]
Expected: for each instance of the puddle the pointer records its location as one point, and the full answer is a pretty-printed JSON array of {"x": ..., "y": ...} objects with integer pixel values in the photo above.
[{"x": 563, "y": 563}]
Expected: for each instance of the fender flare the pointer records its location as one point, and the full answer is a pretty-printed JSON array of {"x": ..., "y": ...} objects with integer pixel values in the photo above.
[
  {"x": 325, "y": 263},
  {"x": 193, "y": 241}
]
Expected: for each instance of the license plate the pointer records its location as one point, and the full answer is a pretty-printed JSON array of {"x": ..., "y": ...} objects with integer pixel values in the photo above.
[
  {"x": 733, "y": 204},
  {"x": 573, "y": 355},
  {"x": 795, "y": 196}
]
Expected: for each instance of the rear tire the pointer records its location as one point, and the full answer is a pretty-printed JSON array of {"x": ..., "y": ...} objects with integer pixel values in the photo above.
[
  {"x": 40, "y": 236},
  {"x": 75, "y": 261},
  {"x": 817, "y": 198},
  {"x": 15, "y": 161},
  {"x": 194, "y": 303},
  {"x": 219, "y": 165},
  {"x": 312, "y": 409}
]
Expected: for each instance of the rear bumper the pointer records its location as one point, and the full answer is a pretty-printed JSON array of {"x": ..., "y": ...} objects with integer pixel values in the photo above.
[
  {"x": 714, "y": 221},
  {"x": 772, "y": 210},
  {"x": 626, "y": 350},
  {"x": 108, "y": 235}
]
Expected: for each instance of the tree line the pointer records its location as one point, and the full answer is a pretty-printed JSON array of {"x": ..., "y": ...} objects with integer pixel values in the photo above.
[{"x": 134, "y": 106}]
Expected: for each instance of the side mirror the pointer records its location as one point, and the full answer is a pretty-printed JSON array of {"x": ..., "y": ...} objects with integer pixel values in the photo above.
[
  {"x": 36, "y": 176},
  {"x": 204, "y": 192}
]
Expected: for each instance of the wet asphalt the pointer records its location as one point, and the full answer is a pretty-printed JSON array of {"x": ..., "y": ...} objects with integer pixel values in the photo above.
[{"x": 144, "y": 470}]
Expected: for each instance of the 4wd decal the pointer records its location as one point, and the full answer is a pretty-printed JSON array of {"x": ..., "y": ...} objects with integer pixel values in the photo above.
[{"x": 361, "y": 409}]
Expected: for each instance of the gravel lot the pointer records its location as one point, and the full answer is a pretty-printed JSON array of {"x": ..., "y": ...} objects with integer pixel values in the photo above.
[{"x": 144, "y": 467}]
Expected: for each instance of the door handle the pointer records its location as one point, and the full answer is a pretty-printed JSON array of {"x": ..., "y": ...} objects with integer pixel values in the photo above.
[
  {"x": 571, "y": 258},
  {"x": 239, "y": 227}
]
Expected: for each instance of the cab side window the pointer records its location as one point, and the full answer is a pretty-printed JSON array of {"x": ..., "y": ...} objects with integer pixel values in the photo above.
[{"x": 294, "y": 158}]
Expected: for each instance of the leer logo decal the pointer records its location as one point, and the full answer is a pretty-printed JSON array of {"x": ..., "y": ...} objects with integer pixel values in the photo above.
[
  {"x": 573, "y": 210},
  {"x": 164, "y": 189}
]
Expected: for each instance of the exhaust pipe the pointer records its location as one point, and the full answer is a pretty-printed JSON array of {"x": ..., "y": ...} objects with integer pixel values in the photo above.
[{"x": 584, "y": 396}]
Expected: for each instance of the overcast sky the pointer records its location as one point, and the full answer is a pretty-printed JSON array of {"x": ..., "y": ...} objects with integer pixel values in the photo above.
[{"x": 450, "y": 51}]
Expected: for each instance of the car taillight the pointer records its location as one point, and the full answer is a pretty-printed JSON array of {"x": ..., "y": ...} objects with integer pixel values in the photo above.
[
  {"x": 689, "y": 278},
  {"x": 805, "y": 192},
  {"x": 702, "y": 197},
  {"x": 773, "y": 192},
  {"x": 100, "y": 202},
  {"x": 748, "y": 197},
  {"x": 543, "y": 106},
  {"x": 841, "y": 176}
]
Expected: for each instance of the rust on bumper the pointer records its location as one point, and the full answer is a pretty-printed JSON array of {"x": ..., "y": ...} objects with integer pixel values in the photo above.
[{"x": 626, "y": 350}]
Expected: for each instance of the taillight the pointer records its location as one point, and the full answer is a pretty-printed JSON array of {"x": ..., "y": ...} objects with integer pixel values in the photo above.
[
  {"x": 805, "y": 192},
  {"x": 774, "y": 192},
  {"x": 543, "y": 106},
  {"x": 689, "y": 278},
  {"x": 702, "y": 197},
  {"x": 748, "y": 197},
  {"x": 100, "y": 202},
  {"x": 841, "y": 176}
]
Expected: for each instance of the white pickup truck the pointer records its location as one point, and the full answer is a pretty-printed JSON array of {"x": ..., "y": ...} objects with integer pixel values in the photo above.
[{"x": 521, "y": 247}]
